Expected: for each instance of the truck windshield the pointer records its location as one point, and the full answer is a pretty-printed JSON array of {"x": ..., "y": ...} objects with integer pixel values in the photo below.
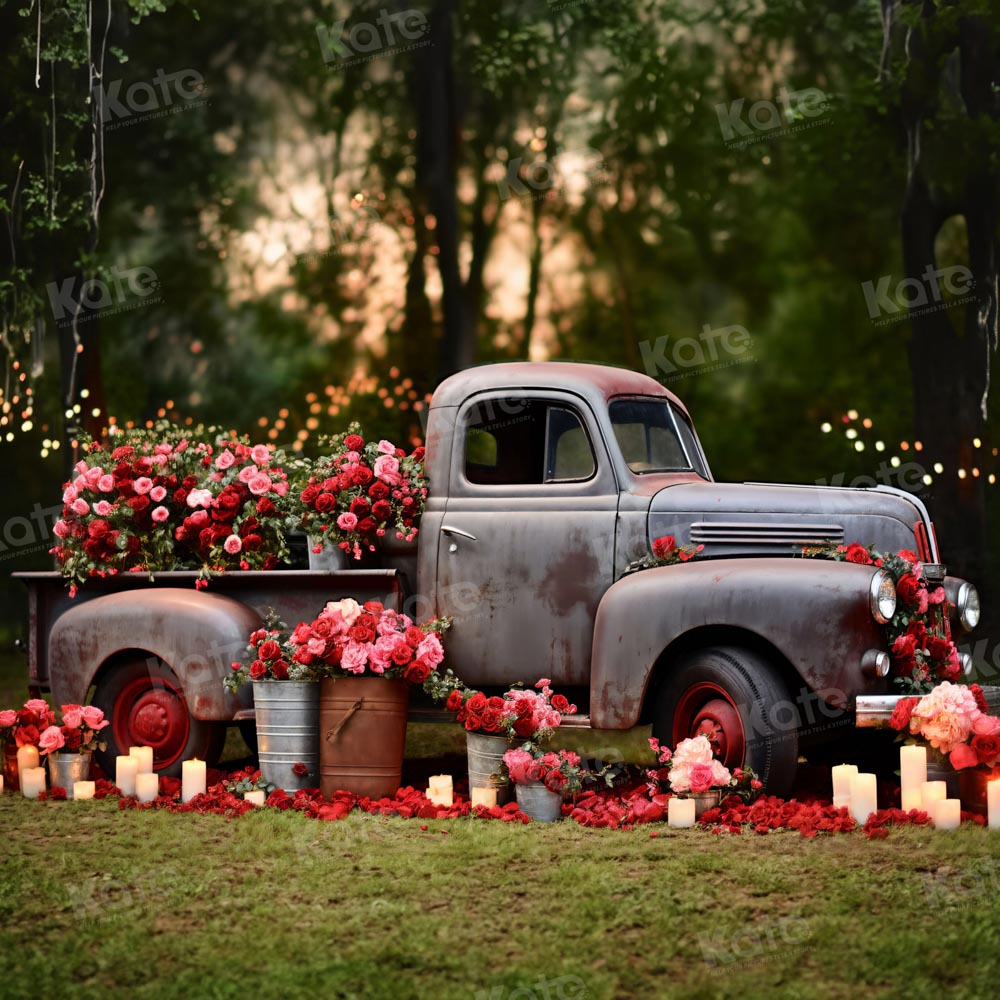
[{"x": 653, "y": 438}]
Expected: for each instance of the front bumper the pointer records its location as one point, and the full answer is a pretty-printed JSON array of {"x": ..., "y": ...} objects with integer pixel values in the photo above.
[{"x": 872, "y": 711}]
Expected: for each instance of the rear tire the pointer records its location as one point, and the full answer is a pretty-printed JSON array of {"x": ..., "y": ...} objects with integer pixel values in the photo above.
[
  {"x": 145, "y": 704},
  {"x": 739, "y": 701}
]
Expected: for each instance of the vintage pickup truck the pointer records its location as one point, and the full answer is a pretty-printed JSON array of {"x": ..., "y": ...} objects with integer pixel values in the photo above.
[{"x": 547, "y": 480}]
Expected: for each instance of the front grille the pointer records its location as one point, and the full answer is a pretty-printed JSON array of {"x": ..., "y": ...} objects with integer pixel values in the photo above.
[{"x": 748, "y": 533}]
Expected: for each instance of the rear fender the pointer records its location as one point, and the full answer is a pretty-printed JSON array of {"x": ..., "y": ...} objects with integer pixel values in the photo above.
[
  {"x": 195, "y": 633},
  {"x": 813, "y": 612}
]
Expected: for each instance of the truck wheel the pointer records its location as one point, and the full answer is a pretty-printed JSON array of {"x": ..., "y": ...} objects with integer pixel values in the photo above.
[
  {"x": 145, "y": 703},
  {"x": 739, "y": 702}
]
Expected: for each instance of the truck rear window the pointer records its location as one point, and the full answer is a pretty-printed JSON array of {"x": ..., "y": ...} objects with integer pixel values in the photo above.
[{"x": 653, "y": 438}]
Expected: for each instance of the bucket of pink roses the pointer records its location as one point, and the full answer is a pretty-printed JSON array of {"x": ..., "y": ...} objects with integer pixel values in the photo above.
[
  {"x": 541, "y": 779},
  {"x": 357, "y": 498},
  {"x": 493, "y": 724},
  {"x": 691, "y": 771},
  {"x": 70, "y": 746}
]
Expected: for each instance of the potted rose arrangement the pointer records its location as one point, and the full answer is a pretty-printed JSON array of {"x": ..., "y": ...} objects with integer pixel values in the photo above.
[
  {"x": 691, "y": 770},
  {"x": 164, "y": 500},
  {"x": 20, "y": 728},
  {"x": 953, "y": 721},
  {"x": 70, "y": 746},
  {"x": 541, "y": 778},
  {"x": 360, "y": 492}
]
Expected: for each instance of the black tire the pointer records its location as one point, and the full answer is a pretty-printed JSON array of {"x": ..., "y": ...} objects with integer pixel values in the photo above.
[
  {"x": 740, "y": 701},
  {"x": 145, "y": 704}
]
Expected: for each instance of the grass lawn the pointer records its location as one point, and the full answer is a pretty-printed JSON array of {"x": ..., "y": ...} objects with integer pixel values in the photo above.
[{"x": 96, "y": 902}]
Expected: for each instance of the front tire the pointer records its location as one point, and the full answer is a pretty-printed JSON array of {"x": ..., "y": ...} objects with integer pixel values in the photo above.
[
  {"x": 144, "y": 702},
  {"x": 739, "y": 701}
]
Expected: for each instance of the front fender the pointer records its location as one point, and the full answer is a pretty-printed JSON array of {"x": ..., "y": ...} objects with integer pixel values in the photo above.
[
  {"x": 814, "y": 612},
  {"x": 196, "y": 633}
]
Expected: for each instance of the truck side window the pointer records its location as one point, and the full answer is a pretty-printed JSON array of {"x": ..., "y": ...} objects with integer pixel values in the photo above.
[{"x": 512, "y": 442}]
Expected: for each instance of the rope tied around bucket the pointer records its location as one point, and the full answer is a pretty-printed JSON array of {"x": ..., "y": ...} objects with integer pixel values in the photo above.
[{"x": 331, "y": 734}]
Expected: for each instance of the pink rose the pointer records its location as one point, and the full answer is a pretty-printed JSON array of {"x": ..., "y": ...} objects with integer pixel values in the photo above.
[
  {"x": 143, "y": 485},
  {"x": 80, "y": 506},
  {"x": 962, "y": 756},
  {"x": 72, "y": 716},
  {"x": 387, "y": 469},
  {"x": 232, "y": 544},
  {"x": 199, "y": 498},
  {"x": 93, "y": 476},
  {"x": 986, "y": 725},
  {"x": 51, "y": 740},
  {"x": 259, "y": 484},
  {"x": 94, "y": 718},
  {"x": 430, "y": 649},
  {"x": 246, "y": 472},
  {"x": 701, "y": 778},
  {"x": 61, "y": 529},
  {"x": 106, "y": 484},
  {"x": 37, "y": 705},
  {"x": 102, "y": 508},
  {"x": 157, "y": 493},
  {"x": 261, "y": 454},
  {"x": 7, "y": 718},
  {"x": 160, "y": 514},
  {"x": 225, "y": 460},
  {"x": 280, "y": 487},
  {"x": 70, "y": 494},
  {"x": 386, "y": 447},
  {"x": 347, "y": 521},
  {"x": 355, "y": 657}
]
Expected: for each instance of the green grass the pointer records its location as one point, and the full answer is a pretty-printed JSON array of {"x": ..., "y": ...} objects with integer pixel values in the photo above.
[{"x": 96, "y": 902}]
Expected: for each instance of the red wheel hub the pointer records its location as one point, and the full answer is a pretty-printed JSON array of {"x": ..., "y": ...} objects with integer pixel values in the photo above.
[
  {"x": 705, "y": 709},
  {"x": 151, "y": 712}
]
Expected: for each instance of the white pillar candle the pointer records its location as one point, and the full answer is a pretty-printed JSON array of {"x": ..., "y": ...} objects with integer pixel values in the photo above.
[
  {"x": 912, "y": 775},
  {"x": 946, "y": 814},
  {"x": 993, "y": 803},
  {"x": 192, "y": 779},
  {"x": 842, "y": 775},
  {"x": 83, "y": 790},
  {"x": 441, "y": 796},
  {"x": 680, "y": 812},
  {"x": 1, "y": 784},
  {"x": 27, "y": 757},
  {"x": 864, "y": 796},
  {"x": 144, "y": 755},
  {"x": 126, "y": 769},
  {"x": 932, "y": 791},
  {"x": 147, "y": 786},
  {"x": 488, "y": 797},
  {"x": 256, "y": 796},
  {"x": 32, "y": 782}
]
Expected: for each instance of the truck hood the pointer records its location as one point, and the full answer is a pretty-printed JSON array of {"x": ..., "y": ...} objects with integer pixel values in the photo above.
[{"x": 732, "y": 519}]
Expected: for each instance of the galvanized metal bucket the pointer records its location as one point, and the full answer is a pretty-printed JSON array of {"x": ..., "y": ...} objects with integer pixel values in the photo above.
[
  {"x": 362, "y": 727},
  {"x": 705, "y": 801},
  {"x": 65, "y": 768},
  {"x": 329, "y": 559},
  {"x": 538, "y": 802},
  {"x": 486, "y": 760},
  {"x": 287, "y": 731}
]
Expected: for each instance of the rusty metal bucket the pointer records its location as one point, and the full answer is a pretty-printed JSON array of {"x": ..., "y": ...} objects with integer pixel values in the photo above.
[
  {"x": 536, "y": 801},
  {"x": 485, "y": 760},
  {"x": 362, "y": 732},
  {"x": 287, "y": 731}
]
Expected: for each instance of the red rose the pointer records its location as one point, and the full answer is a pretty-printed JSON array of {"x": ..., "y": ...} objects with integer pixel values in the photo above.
[
  {"x": 378, "y": 491},
  {"x": 900, "y": 718},
  {"x": 374, "y": 607},
  {"x": 494, "y": 702},
  {"x": 524, "y": 727},
  {"x": 72, "y": 738},
  {"x": 418, "y": 671},
  {"x": 454, "y": 702},
  {"x": 265, "y": 507},
  {"x": 269, "y": 650},
  {"x": 310, "y": 493},
  {"x": 418, "y": 454},
  {"x": 491, "y": 720},
  {"x": 987, "y": 749},
  {"x": 26, "y": 736},
  {"x": 401, "y": 654},
  {"x": 938, "y": 648},
  {"x": 535, "y": 771},
  {"x": 354, "y": 442},
  {"x": 189, "y": 482},
  {"x": 358, "y": 633},
  {"x": 414, "y": 636},
  {"x": 963, "y": 756},
  {"x": 904, "y": 647},
  {"x": 325, "y": 502},
  {"x": 366, "y": 526},
  {"x": 977, "y": 693},
  {"x": 360, "y": 507},
  {"x": 857, "y": 553},
  {"x": 138, "y": 503},
  {"x": 280, "y": 670},
  {"x": 560, "y": 703},
  {"x": 907, "y": 555},
  {"x": 252, "y": 543},
  {"x": 476, "y": 703},
  {"x": 523, "y": 708},
  {"x": 909, "y": 590},
  {"x": 381, "y": 510},
  {"x": 472, "y": 721},
  {"x": 362, "y": 476},
  {"x": 302, "y": 655},
  {"x": 555, "y": 780},
  {"x": 663, "y": 546},
  {"x": 300, "y": 769},
  {"x": 98, "y": 528},
  {"x": 257, "y": 670}
]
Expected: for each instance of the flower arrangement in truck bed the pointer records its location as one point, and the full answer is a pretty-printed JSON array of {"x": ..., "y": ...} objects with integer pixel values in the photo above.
[
  {"x": 352, "y": 497},
  {"x": 953, "y": 720},
  {"x": 346, "y": 639},
  {"x": 160, "y": 500},
  {"x": 691, "y": 768},
  {"x": 919, "y": 633},
  {"x": 519, "y": 714}
]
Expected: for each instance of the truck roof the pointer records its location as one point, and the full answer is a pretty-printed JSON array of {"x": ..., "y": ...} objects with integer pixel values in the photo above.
[{"x": 596, "y": 383}]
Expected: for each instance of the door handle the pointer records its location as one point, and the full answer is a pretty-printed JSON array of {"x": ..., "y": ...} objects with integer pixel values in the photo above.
[{"x": 449, "y": 530}]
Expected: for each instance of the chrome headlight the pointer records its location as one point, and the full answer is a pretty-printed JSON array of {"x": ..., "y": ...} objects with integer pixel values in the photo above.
[
  {"x": 968, "y": 606},
  {"x": 882, "y": 596}
]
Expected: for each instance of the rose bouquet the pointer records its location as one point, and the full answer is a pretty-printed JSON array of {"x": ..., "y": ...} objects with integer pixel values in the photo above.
[
  {"x": 953, "y": 720},
  {"x": 269, "y": 656},
  {"x": 78, "y": 732},
  {"x": 362, "y": 490},
  {"x": 519, "y": 714},
  {"x": 161, "y": 500},
  {"x": 24, "y": 726},
  {"x": 666, "y": 552},
  {"x": 558, "y": 770},
  {"x": 919, "y": 633},
  {"x": 692, "y": 769}
]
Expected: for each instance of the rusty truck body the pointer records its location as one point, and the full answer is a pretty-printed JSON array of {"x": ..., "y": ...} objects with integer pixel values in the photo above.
[{"x": 547, "y": 481}]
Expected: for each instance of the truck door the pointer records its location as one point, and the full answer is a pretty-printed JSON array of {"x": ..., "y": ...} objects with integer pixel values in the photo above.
[{"x": 526, "y": 544}]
